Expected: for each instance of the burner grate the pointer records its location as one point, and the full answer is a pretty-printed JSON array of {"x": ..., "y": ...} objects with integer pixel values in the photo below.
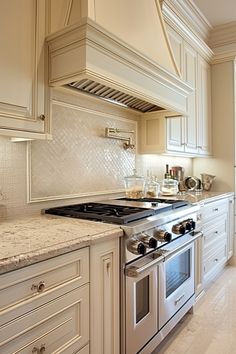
[{"x": 102, "y": 212}]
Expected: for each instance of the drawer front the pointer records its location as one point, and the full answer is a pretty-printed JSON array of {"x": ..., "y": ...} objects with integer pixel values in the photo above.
[
  {"x": 42, "y": 278},
  {"x": 215, "y": 258},
  {"x": 214, "y": 209},
  {"x": 213, "y": 236},
  {"x": 61, "y": 326}
]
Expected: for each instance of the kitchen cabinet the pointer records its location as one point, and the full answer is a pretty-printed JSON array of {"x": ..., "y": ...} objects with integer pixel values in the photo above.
[
  {"x": 105, "y": 309},
  {"x": 188, "y": 135},
  {"x": 23, "y": 89},
  {"x": 45, "y": 306},
  {"x": 215, "y": 228}
]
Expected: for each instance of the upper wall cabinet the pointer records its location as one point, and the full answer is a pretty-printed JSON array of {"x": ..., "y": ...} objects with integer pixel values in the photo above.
[
  {"x": 188, "y": 135},
  {"x": 23, "y": 111}
]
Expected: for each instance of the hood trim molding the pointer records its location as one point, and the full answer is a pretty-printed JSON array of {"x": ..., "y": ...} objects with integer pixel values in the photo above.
[{"x": 88, "y": 51}]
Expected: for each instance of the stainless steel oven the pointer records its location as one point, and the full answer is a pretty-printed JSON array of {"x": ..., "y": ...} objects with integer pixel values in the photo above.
[
  {"x": 159, "y": 285},
  {"x": 157, "y": 265},
  {"x": 176, "y": 282}
]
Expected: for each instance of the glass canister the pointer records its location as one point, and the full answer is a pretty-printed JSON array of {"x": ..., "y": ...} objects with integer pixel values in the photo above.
[
  {"x": 152, "y": 188},
  {"x": 169, "y": 186},
  {"x": 134, "y": 186}
]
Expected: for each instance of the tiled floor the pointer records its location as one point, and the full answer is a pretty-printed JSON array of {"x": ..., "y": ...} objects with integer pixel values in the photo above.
[{"x": 212, "y": 327}]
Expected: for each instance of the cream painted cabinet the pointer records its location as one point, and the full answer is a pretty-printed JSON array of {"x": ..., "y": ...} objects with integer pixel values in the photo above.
[
  {"x": 105, "y": 309},
  {"x": 215, "y": 228},
  {"x": 204, "y": 107},
  {"x": 188, "y": 135},
  {"x": 45, "y": 307},
  {"x": 23, "y": 110}
]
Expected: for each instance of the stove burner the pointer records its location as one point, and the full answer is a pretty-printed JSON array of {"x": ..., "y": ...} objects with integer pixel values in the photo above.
[{"x": 117, "y": 214}]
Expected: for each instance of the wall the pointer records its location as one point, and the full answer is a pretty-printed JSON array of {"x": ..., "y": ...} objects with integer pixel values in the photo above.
[
  {"x": 222, "y": 163},
  {"x": 39, "y": 171}
]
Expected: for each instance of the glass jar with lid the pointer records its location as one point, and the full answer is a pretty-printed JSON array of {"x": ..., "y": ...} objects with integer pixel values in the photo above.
[
  {"x": 169, "y": 186},
  {"x": 134, "y": 186}
]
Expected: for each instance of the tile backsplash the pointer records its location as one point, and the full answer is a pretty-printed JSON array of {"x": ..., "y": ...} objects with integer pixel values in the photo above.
[{"x": 78, "y": 165}]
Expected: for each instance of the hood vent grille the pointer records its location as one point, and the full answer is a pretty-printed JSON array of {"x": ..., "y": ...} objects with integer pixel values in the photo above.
[{"x": 114, "y": 96}]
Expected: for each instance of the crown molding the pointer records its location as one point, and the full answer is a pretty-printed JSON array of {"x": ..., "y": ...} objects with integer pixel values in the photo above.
[
  {"x": 184, "y": 17},
  {"x": 224, "y": 53},
  {"x": 223, "y": 35}
]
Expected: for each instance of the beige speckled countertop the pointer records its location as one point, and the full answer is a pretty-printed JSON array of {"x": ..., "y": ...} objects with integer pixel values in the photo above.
[{"x": 29, "y": 240}]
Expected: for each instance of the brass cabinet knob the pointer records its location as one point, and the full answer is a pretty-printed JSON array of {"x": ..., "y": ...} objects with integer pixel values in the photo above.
[
  {"x": 38, "y": 287},
  {"x": 40, "y": 350},
  {"x": 42, "y": 117}
]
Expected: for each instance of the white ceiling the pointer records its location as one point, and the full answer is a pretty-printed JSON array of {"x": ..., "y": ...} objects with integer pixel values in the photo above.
[{"x": 217, "y": 12}]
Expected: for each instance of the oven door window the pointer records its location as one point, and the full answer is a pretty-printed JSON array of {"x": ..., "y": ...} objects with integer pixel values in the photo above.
[
  {"x": 142, "y": 298},
  {"x": 178, "y": 270}
]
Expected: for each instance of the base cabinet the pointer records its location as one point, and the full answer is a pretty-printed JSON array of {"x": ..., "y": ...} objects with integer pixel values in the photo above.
[
  {"x": 215, "y": 228},
  {"x": 105, "y": 310},
  {"x": 45, "y": 307}
]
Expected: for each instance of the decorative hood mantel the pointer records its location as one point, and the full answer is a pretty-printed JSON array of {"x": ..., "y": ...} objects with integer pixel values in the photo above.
[{"x": 117, "y": 50}]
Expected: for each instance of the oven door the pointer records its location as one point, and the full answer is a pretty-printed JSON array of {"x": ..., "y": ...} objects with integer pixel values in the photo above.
[
  {"x": 141, "y": 306},
  {"x": 176, "y": 282}
]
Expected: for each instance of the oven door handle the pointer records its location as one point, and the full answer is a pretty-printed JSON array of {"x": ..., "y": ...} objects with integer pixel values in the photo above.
[
  {"x": 181, "y": 247},
  {"x": 134, "y": 272}
]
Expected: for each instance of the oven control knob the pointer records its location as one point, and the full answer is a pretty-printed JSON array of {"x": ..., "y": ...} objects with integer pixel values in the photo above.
[
  {"x": 188, "y": 225},
  {"x": 136, "y": 247},
  {"x": 149, "y": 241},
  {"x": 178, "y": 229},
  {"x": 163, "y": 235}
]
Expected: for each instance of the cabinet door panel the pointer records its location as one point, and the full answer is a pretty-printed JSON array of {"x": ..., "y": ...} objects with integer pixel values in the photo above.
[
  {"x": 190, "y": 76},
  {"x": 204, "y": 107},
  {"x": 175, "y": 134},
  {"x": 22, "y": 26},
  {"x": 105, "y": 298}
]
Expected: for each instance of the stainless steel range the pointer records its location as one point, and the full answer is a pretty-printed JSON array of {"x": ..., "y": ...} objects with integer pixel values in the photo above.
[{"x": 157, "y": 263}]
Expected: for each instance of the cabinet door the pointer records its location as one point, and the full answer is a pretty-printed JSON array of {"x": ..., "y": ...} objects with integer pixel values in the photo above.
[
  {"x": 22, "y": 31},
  {"x": 175, "y": 134},
  {"x": 152, "y": 131},
  {"x": 105, "y": 298},
  {"x": 204, "y": 107},
  {"x": 190, "y": 76}
]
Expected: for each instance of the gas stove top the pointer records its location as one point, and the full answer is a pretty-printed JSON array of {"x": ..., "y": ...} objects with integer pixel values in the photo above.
[{"x": 117, "y": 211}]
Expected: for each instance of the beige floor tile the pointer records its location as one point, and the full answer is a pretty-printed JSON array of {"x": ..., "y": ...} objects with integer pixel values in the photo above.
[{"x": 212, "y": 327}]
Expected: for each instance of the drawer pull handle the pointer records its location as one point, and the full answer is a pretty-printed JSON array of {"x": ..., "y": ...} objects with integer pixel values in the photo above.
[
  {"x": 215, "y": 209},
  {"x": 216, "y": 232},
  {"x": 39, "y": 287},
  {"x": 179, "y": 299},
  {"x": 216, "y": 260},
  {"x": 40, "y": 350}
]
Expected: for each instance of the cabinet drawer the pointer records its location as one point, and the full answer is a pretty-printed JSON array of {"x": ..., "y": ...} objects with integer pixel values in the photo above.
[
  {"x": 25, "y": 289},
  {"x": 212, "y": 210},
  {"x": 61, "y": 326},
  {"x": 212, "y": 236},
  {"x": 214, "y": 258}
]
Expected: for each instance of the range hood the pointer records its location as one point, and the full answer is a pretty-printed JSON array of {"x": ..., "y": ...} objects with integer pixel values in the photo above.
[{"x": 118, "y": 50}]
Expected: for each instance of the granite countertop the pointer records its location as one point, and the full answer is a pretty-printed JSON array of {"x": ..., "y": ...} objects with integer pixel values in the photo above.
[
  {"x": 202, "y": 197},
  {"x": 29, "y": 240}
]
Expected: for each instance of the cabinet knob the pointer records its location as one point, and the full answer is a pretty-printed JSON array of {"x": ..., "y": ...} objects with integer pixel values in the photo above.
[
  {"x": 39, "y": 287},
  {"x": 42, "y": 117},
  {"x": 40, "y": 350}
]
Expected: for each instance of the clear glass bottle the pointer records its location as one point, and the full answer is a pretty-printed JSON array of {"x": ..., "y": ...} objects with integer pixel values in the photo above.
[{"x": 152, "y": 188}]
